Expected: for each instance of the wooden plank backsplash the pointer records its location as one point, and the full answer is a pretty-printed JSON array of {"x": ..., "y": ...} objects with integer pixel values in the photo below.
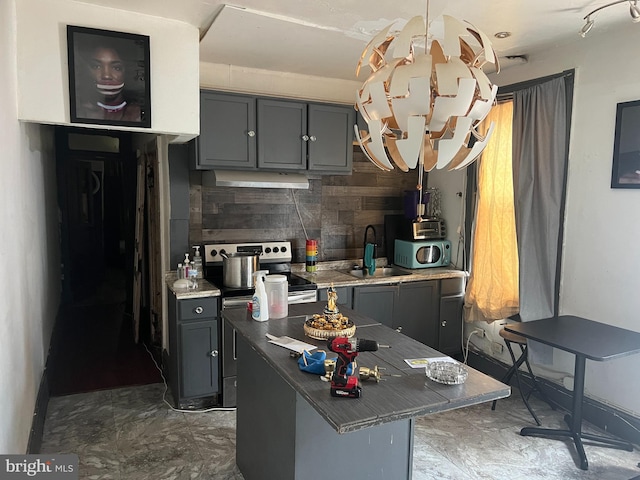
[{"x": 335, "y": 211}]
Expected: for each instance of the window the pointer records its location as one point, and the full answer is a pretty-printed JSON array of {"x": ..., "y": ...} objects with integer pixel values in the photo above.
[
  {"x": 493, "y": 292},
  {"x": 538, "y": 130}
]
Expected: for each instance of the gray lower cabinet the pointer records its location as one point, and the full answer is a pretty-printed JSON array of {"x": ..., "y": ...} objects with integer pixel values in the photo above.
[
  {"x": 451, "y": 304},
  {"x": 450, "y": 327},
  {"x": 243, "y": 132},
  {"x": 194, "y": 362},
  {"x": 416, "y": 314},
  {"x": 345, "y": 295},
  {"x": 429, "y": 311},
  {"x": 377, "y": 302}
]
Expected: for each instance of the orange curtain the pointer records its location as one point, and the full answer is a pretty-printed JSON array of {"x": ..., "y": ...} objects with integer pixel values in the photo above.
[{"x": 492, "y": 291}]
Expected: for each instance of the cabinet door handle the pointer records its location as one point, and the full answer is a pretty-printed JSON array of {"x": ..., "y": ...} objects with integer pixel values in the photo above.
[
  {"x": 235, "y": 340},
  {"x": 198, "y": 310},
  {"x": 444, "y": 323},
  {"x": 213, "y": 353},
  {"x": 251, "y": 133},
  {"x": 313, "y": 138},
  {"x": 305, "y": 138}
]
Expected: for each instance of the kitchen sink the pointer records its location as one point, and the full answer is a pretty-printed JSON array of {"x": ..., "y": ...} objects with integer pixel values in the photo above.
[{"x": 378, "y": 273}]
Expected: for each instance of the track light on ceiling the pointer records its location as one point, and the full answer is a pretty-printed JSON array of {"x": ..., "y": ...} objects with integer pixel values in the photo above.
[
  {"x": 587, "y": 27},
  {"x": 634, "y": 11}
]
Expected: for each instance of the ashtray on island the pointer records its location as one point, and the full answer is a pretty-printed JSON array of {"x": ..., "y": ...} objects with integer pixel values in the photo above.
[
  {"x": 323, "y": 327},
  {"x": 447, "y": 373}
]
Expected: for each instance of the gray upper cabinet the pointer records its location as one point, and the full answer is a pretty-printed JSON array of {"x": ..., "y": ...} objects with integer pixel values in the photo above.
[
  {"x": 330, "y": 140},
  {"x": 281, "y": 143},
  {"x": 242, "y": 132},
  {"x": 227, "y": 132}
]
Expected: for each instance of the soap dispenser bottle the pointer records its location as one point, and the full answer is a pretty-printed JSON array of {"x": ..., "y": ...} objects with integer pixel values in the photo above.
[
  {"x": 196, "y": 264},
  {"x": 259, "y": 302}
]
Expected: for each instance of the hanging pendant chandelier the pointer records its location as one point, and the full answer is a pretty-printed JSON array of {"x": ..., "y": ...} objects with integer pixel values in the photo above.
[{"x": 424, "y": 108}]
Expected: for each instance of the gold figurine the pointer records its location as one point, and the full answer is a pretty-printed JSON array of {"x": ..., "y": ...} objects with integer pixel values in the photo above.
[
  {"x": 331, "y": 322},
  {"x": 332, "y": 299}
]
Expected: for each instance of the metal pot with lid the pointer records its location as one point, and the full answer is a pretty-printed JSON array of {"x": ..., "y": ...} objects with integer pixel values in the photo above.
[{"x": 238, "y": 269}]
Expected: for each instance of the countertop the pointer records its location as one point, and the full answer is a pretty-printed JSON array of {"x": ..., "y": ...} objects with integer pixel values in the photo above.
[
  {"x": 328, "y": 273},
  {"x": 336, "y": 273},
  {"x": 408, "y": 395},
  {"x": 204, "y": 288}
]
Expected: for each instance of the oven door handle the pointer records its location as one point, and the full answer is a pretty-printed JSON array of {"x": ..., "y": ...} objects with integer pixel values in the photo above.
[
  {"x": 231, "y": 302},
  {"x": 234, "y": 343},
  {"x": 305, "y": 296}
]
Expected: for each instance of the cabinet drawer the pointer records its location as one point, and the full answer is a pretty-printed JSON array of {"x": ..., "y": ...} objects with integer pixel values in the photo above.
[
  {"x": 197, "y": 308},
  {"x": 452, "y": 286}
]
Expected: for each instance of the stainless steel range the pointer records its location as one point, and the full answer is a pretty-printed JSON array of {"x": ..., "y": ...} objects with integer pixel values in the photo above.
[{"x": 275, "y": 256}]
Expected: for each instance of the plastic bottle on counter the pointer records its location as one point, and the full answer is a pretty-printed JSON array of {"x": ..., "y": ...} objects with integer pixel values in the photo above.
[
  {"x": 186, "y": 266},
  {"x": 181, "y": 282},
  {"x": 196, "y": 264},
  {"x": 259, "y": 302},
  {"x": 277, "y": 289}
]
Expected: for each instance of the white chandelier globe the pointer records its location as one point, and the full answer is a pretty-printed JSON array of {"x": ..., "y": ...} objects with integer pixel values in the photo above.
[{"x": 423, "y": 108}]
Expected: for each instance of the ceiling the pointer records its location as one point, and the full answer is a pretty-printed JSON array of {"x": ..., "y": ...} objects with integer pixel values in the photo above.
[{"x": 326, "y": 37}]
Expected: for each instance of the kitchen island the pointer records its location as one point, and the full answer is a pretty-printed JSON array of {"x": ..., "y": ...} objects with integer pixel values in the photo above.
[{"x": 289, "y": 426}]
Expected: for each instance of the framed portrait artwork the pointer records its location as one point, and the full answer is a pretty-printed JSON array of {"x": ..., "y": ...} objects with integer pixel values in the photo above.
[
  {"x": 626, "y": 146},
  {"x": 109, "y": 80}
]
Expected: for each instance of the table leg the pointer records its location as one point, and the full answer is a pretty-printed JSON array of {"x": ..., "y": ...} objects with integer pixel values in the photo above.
[{"x": 574, "y": 420}]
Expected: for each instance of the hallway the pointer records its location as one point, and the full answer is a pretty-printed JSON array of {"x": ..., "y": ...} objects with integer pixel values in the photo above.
[{"x": 94, "y": 347}]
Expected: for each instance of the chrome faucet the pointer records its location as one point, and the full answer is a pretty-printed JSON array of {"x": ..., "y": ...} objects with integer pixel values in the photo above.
[{"x": 369, "y": 253}]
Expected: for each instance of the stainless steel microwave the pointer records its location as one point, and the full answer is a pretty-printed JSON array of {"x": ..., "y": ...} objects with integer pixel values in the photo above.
[{"x": 422, "y": 253}]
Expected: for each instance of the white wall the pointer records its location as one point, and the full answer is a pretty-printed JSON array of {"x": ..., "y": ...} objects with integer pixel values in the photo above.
[
  {"x": 280, "y": 84},
  {"x": 30, "y": 279},
  {"x": 43, "y": 91},
  {"x": 452, "y": 198},
  {"x": 602, "y": 226}
]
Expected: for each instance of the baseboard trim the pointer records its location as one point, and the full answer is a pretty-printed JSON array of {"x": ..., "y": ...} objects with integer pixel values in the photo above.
[
  {"x": 39, "y": 415},
  {"x": 606, "y": 417},
  {"x": 44, "y": 394}
]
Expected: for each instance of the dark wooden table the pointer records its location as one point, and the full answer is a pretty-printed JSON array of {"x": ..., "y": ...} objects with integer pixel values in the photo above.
[
  {"x": 586, "y": 339},
  {"x": 289, "y": 426}
]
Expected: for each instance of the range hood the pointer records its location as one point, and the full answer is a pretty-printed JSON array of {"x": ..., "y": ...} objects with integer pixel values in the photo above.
[{"x": 237, "y": 178}]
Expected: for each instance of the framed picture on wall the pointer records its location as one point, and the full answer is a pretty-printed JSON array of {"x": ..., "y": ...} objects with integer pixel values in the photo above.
[
  {"x": 109, "y": 80},
  {"x": 626, "y": 146}
]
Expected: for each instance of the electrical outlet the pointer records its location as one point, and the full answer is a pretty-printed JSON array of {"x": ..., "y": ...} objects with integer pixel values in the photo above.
[
  {"x": 497, "y": 348},
  {"x": 479, "y": 332}
]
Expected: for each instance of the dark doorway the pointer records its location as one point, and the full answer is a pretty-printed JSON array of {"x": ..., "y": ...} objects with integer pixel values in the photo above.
[{"x": 94, "y": 345}]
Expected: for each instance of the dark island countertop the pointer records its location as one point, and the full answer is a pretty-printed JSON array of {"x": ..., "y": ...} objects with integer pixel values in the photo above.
[{"x": 410, "y": 395}]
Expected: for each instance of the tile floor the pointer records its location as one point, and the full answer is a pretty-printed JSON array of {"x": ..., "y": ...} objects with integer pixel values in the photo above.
[{"x": 132, "y": 434}]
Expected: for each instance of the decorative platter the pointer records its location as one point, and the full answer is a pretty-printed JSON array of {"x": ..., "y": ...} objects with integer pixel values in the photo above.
[{"x": 323, "y": 327}]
